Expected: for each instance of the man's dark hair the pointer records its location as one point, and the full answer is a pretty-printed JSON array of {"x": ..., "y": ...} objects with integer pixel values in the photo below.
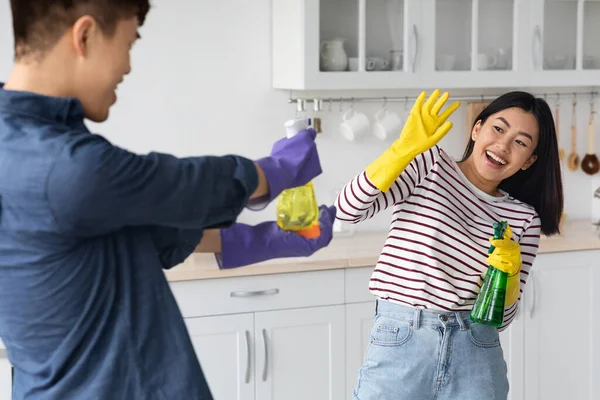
[{"x": 39, "y": 24}]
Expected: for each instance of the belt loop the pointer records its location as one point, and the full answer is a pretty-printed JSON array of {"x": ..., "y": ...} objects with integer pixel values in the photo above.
[
  {"x": 461, "y": 322},
  {"x": 417, "y": 319},
  {"x": 376, "y": 304}
]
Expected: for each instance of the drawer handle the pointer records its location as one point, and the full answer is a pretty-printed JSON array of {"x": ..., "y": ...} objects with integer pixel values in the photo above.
[
  {"x": 247, "y": 376},
  {"x": 268, "y": 292},
  {"x": 266, "y": 366}
]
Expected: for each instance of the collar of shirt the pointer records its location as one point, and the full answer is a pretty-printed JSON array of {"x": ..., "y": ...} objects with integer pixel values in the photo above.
[{"x": 65, "y": 110}]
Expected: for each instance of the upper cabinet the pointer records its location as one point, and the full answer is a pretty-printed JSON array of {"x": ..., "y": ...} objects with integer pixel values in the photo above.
[
  {"x": 414, "y": 44},
  {"x": 565, "y": 46}
]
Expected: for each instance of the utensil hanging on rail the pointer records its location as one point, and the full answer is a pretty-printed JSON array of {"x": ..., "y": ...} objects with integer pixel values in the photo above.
[
  {"x": 561, "y": 151},
  {"x": 573, "y": 160},
  {"x": 590, "y": 164}
]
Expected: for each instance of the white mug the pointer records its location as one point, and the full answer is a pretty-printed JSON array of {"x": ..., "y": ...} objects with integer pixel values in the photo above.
[
  {"x": 387, "y": 123},
  {"x": 486, "y": 62},
  {"x": 354, "y": 125}
]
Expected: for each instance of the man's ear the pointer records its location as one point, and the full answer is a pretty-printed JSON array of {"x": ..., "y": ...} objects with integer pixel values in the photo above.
[
  {"x": 475, "y": 131},
  {"x": 82, "y": 34},
  {"x": 529, "y": 162}
]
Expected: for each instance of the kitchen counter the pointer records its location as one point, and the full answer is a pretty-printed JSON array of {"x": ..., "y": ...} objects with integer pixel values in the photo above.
[{"x": 362, "y": 250}]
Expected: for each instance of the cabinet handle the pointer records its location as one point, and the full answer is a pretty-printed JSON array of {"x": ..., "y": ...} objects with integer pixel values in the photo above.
[
  {"x": 266, "y": 367},
  {"x": 247, "y": 377},
  {"x": 533, "y": 294},
  {"x": 415, "y": 38},
  {"x": 268, "y": 292},
  {"x": 536, "y": 46}
]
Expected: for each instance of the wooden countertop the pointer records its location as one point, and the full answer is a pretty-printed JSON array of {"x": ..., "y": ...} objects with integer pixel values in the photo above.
[{"x": 362, "y": 250}]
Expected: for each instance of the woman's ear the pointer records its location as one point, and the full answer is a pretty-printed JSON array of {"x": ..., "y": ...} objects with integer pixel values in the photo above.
[
  {"x": 529, "y": 162},
  {"x": 475, "y": 130}
]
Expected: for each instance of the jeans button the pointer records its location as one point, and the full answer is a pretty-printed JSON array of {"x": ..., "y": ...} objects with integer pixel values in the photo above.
[{"x": 444, "y": 318}]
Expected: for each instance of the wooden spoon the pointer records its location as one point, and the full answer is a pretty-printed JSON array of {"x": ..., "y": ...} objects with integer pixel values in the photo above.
[
  {"x": 561, "y": 151},
  {"x": 590, "y": 164},
  {"x": 573, "y": 160}
]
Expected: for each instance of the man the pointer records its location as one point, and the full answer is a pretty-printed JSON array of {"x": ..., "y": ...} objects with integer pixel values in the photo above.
[{"x": 86, "y": 228}]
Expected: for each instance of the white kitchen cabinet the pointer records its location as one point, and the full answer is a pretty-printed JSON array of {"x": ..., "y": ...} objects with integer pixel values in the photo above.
[
  {"x": 562, "y": 327},
  {"x": 360, "y": 311},
  {"x": 474, "y": 43},
  {"x": 564, "y": 42},
  {"x": 225, "y": 347},
  {"x": 438, "y": 43},
  {"x": 5, "y": 375},
  {"x": 268, "y": 337},
  {"x": 301, "y": 26},
  {"x": 359, "y": 320},
  {"x": 512, "y": 342},
  {"x": 286, "y": 354},
  {"x": 300, "y": 354}
]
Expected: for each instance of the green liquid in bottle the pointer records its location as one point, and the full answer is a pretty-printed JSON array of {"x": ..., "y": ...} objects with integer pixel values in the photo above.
[{"x": 489, "y": 305}]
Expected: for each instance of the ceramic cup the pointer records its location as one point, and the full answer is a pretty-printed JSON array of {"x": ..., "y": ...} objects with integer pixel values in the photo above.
[
  {"x": 387, "y": 123},
  {"x": 354, "y": 124}
]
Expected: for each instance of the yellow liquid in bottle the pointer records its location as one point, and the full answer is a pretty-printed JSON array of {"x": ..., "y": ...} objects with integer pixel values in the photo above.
[{"x": 297, "y": 208}]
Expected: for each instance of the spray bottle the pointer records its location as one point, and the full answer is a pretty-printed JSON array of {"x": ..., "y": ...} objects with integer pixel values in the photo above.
[
  {"x": 489, "y": 305},
  {"x": 297, "y": 208}
]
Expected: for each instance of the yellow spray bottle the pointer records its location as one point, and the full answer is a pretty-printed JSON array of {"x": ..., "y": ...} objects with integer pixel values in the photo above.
[{"x": 297, "y": 209}]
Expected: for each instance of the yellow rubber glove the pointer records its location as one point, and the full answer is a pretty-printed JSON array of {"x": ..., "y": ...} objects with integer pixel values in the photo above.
[
  {"x": 423, "y": 129},
  {"x": 507, "y": 258}
]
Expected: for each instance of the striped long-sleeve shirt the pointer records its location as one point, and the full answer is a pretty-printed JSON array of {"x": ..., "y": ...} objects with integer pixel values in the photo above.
[{"x": 435, "y": 254}]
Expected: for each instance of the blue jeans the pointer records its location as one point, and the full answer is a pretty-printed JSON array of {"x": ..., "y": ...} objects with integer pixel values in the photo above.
[{"x": 423, "y": 355}]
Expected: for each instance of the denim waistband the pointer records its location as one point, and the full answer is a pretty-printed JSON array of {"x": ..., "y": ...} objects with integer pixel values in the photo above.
[{"x": 421, "y": 317}]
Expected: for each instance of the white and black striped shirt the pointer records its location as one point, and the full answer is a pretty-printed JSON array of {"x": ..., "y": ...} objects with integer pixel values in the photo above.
[{"x": 435, "y": 254}]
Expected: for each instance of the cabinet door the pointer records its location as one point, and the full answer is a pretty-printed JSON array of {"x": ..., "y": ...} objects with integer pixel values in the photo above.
[
  {"x": 474, "y": 43},
  {"x": 5, "y": 375},
  {"x": 224, "y": 347},
  {"x": 300, "y": 354},
  {"x": 512, "y": 341},
  {"x": 359, "y": 320},
  {"x": 562, "y": 323},
  {"x": 564, "y": 36},
  {"x": 341, "y": 44}
]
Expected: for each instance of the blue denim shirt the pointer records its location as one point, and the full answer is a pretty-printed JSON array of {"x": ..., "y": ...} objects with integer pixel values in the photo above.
[{"x": 86, "y": 229}]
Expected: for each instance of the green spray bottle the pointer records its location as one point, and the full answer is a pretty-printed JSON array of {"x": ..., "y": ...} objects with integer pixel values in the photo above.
[{"x": 489, "y": 304}]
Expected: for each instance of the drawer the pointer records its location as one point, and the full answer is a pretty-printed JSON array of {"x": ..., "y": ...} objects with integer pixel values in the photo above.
[
  {"x": 357, "y": 285},
  {"x": 259, "y": 293}
]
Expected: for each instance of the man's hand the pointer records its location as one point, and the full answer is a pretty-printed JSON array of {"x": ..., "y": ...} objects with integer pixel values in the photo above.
[
  {"x": 293, "y": 162},
  {"x": 243, "y": 244}
]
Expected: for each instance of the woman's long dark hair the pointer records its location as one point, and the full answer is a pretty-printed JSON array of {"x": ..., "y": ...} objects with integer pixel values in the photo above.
[{"x": 541, "y": 184}]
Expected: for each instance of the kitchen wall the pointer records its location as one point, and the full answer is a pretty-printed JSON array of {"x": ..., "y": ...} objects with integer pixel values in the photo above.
[{"x": 201, "y": 84}]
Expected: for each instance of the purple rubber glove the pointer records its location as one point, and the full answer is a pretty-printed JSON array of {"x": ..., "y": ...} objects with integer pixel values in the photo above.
[
  {"x": 244, "y": 244},
  {"x": 293, "y": 162}
]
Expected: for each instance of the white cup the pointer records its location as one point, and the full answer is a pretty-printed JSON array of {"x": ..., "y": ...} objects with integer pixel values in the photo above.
[
  {"x": 445, "y": 62},
  {"x": 387, "y": 123},
  {"x": 354, "y": 125},
  {"x": 486, "y": 62},
  {"x": 353, "y": 63}
]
